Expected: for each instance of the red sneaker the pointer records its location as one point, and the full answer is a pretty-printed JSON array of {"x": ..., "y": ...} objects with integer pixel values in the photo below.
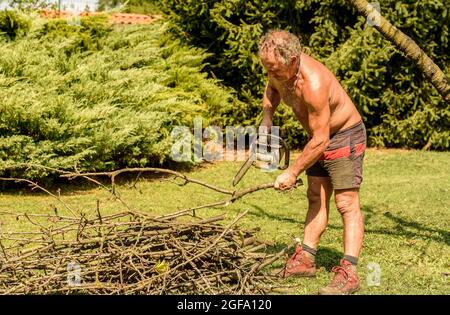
[
  {"x": 299, "y": 265},
  {"x": 345, "y": 280}
]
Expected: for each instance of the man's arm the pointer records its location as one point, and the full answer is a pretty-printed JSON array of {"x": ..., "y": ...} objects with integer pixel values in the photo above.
[
  {"x": 319, "y": 123},
  {"x": 271, "y": 100}
]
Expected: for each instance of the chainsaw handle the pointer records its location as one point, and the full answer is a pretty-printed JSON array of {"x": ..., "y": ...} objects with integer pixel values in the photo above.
[
  {"x": 286, "y": 155},
  {"x": 283, "y": 149}
]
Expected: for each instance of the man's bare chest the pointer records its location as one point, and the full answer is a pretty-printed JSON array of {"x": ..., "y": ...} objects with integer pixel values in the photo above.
[
  {"x": 296, "y": 103},
  {"x": 293, "y": 99}
]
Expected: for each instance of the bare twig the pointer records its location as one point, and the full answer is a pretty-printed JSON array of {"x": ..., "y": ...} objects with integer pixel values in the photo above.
[
  {"x": 34, "y": 186},
  {"x": 134, "y": 252}
]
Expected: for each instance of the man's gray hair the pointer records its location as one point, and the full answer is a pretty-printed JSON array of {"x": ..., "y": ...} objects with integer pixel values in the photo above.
[{"x": 283, "y": 44}]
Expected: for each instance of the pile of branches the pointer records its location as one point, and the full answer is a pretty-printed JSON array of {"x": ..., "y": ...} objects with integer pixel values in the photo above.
[
  {"x": 131, "y": 252},
  {"x": 127, "y": 253}
]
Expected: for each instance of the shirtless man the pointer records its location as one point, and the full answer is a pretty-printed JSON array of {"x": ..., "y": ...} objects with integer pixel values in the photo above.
[{"x": 332, "y": 158}]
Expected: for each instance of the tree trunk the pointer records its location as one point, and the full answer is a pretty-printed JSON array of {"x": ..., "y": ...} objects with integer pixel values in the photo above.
[{"x": 403, "y": 42}]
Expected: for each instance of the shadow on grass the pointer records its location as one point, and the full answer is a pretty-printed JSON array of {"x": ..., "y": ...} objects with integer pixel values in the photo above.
[
  {"x": 420, "y": 230},
  {"x": 260, "y": 212},
  {"x": 326, "y": 257},
  {"x": 65, "y": 186},
  {"x": 368, "y": 213},
  {"x": 404, "y": 227}
]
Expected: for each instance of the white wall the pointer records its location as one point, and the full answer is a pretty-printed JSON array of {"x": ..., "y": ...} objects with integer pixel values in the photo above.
[{"x": 77, "y": 5}]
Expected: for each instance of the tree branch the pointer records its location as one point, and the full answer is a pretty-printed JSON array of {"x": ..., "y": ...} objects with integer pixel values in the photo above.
[{"x": 403, "y": 42}]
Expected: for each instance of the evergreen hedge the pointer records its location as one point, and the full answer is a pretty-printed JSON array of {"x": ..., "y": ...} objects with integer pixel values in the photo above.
[{"x": 98, "y": 97}]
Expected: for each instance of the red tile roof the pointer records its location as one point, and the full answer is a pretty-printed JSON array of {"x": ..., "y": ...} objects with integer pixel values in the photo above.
[{"x": 115, "y": 18}]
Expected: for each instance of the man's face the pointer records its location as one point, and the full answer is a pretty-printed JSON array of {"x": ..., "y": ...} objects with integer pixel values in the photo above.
[{"x": 276, "y": 68}]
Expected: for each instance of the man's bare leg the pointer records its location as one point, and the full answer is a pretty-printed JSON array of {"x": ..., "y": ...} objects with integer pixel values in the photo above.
[
  {"x": 348, "y": 205},
  {"x": 345, "y": 280},
  {"x": 319, "y": 194},
  {"x": 302, "y": 263}
]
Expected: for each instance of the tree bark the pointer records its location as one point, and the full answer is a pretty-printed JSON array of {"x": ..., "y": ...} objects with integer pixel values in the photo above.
[{"x": 403, "y": 42}]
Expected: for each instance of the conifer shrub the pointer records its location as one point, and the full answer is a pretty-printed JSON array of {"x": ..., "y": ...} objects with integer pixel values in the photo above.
[
  {"x": 399, "y": 107},
  {"x": 95, "y": 97}
]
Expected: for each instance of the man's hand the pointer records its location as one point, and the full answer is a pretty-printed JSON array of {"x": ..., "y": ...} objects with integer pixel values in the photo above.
[{"x": 286, "y": 180}]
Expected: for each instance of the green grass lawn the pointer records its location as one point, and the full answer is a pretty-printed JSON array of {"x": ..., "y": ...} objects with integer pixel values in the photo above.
[{"x": 405, "y": 200}]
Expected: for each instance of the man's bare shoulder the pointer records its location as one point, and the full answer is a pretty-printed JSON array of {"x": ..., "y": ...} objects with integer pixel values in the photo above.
[{"x": 316, "y": 80}]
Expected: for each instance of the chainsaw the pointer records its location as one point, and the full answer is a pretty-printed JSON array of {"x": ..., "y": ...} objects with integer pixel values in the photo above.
[{"x": 266, "y": 153}]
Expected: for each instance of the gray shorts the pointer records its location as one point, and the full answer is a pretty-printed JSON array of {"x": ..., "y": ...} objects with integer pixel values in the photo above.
[{"x": 342, "y": 160}]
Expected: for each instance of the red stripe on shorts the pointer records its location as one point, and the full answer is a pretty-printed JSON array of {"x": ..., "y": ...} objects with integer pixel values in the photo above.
[
  {"x": 359, "y": 148},
  {"x": 336, "y": 154}
]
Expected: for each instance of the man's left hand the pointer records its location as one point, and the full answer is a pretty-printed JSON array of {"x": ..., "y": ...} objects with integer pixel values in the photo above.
[{"x": 285, "y": 181}]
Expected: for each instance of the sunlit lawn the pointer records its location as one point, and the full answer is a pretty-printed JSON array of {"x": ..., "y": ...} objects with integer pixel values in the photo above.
[{"x": 405, "y": 201}]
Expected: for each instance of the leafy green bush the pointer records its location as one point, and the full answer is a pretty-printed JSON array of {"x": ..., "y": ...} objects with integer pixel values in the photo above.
[
  {"x": 399, "y": 107},
  {"x": 13, "y": 24},
  {"x": 103, "y": 106}
]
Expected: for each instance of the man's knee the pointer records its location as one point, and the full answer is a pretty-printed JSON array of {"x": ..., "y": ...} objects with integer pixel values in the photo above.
[
  {"x": 313, "y": 194},
  {"x": 319, "y": 189},
  {"x": 347, "y": 201}
]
